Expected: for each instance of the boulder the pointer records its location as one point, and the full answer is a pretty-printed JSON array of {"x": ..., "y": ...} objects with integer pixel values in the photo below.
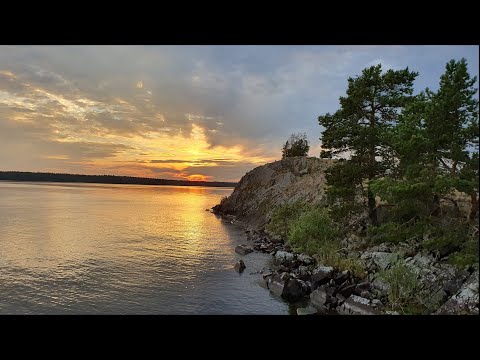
[
  {"x": 243, "y": 249},
  {"x": 294, "y": 290},
  {"x": 309, "y": 310},
  {"x": 356, "y": 305},
  {"x": 288, "y": 288},
  {"x": 276, "y": 283},
  {"x": 383, "y": 260},
  {"x": 302, "y": 273},
  {"x": 240, "y": 266},
  {"x": 284, "y": 258},
  {"x": 322, "y": 275},
  {"x": 453, "y": 285},
  {"x": 363, "y": 286},
  {"x": 305, "y": 259},
  {"x": 465, "y": 301},
  {"x": 319, "y": 297},
  {"x": 347, "y": 290},
  {"x": 340, "y": 278}
]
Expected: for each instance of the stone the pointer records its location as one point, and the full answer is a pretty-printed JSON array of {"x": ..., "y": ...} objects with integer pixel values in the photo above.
[
  {"x": 363, "y": 286},
  {"x": 383, "y": 259},
  {"x": 240, "y": 266},
  {"x": 366, "y": 294},
  {"x": 322, "y": 275},
  {"x": 453, "y": 285},
  {"x": 319, "y": 297},
  {"x": 294, "y": 290},
  {"x": 284, "y": 258},
  {"x": 422, "y": 261},
  {"x": 355, "y": 305},
  {"x": 305, "y": 259},
  {"x": 290, "y": 289},
  {"x": 347, "y": 290},
  {"x": 436, "y": 299},
  {"x": 380, "y": 285},
  {"x": 376, "y": 303},
  {"x": 276, "y": 283},
  {"x": 243, "y": 249},
  {"x": 340, "y": 298},
  {"x": 309, "y": 310},
  {"x": 465, "y": 301},
  {"x": 330, "y": 290},
  {"x": 342, "y": 277},
  {"x": 303, "y": 273},
  {"x": 390, "y": 312}
]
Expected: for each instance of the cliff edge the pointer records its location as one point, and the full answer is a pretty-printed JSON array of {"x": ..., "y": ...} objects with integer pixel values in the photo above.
[{"x": 266, "y": 187}]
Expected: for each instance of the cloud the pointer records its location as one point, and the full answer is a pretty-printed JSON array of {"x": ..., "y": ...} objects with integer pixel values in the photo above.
[{"x": 207, "y": 109}]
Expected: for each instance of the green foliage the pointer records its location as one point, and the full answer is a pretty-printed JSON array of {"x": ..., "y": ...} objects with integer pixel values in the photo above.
[
  {"x": 283, "y": 217},
  {"x": 362, "y": 126},
  {"x": 296, "y": 145},
  {"x": 446, "y": 235},
  {"x": 460, "y": 260},
  {"x": 328, "y": 254},
  {"x": 311, "y": 230},
  {"x": 403, "y": 284}
]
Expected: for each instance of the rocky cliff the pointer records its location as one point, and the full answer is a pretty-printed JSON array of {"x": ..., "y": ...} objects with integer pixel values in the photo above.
[{"x": 266, "y": 187}]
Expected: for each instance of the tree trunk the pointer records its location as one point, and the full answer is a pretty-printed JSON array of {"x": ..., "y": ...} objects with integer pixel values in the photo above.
[
  {"x": 372, "y": 212},
  {"x": 436, "y": 205},
  {"x": 474, "y": 210},
  {"x": 453, "y": 171}
]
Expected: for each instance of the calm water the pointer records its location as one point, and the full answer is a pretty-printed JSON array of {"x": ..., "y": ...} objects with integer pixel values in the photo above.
[{"x": 123, "y": 249}]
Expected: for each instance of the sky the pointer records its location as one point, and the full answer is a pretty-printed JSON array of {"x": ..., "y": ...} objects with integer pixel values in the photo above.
[{"x": 181, "y": 112}]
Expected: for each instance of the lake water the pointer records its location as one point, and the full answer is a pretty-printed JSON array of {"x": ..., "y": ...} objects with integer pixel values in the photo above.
[{"x": 123, "y": 249}]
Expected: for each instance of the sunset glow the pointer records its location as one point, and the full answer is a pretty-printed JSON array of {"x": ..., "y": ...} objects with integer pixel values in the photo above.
[{"x": 174, "y": 112}]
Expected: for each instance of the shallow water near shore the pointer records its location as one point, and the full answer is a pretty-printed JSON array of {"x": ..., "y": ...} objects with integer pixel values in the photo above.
[{"x": 69, "y": 248}]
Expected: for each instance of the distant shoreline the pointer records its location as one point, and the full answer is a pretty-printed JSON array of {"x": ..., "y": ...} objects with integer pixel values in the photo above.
[{"x": 104, "y": 179}]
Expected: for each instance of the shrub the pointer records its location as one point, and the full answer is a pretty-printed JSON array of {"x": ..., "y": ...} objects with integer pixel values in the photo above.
[
  {"x": 283, "y": 217},
  {"x": 311, "y": 230},
  {"x": 403, "y": 284}
]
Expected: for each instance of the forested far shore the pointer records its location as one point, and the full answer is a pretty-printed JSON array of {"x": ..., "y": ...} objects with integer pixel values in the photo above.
[{"x": 104, "y": 179}]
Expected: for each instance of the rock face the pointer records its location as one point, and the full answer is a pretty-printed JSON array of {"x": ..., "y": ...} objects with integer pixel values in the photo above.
[
  {"x": 465, "y": 301},
  {"x": 266, "y": 187}
]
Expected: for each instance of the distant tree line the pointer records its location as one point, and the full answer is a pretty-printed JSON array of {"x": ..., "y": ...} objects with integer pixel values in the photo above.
[{"x": 104, "y": 179}]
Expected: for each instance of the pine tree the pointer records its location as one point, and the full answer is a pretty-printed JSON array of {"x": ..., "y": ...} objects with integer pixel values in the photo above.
[
  {"x": 360, "y": 128},
  {"x": 296, "y": 145},
  {"x": 452, "y": 128}
]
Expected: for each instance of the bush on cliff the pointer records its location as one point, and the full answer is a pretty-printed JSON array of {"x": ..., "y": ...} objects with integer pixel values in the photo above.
[
  {"x": 283, "y": 218},
  {"x": 311, "y": 230}
]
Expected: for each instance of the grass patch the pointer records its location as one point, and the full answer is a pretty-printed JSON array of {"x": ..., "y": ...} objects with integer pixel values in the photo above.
[{"x": 404, "y": 286}]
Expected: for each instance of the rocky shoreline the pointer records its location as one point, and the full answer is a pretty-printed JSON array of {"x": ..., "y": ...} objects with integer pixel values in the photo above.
[{"x": 300, "y": 278}]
